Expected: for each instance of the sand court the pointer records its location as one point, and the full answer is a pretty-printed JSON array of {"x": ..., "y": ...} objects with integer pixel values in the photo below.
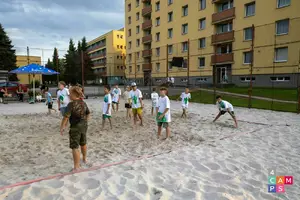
[{"x": 201, "y": 161}]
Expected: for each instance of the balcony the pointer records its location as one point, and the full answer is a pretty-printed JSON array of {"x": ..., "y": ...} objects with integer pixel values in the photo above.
[
  {"x": 147, "y": 39},
  {"x": 222, "y": 59},
  {"x": 147, "y": 53},
  {"x": 223, "y": 37},
  {"x": 147, "y": 10},
  {"x": 147, "y": 24},
  {"x": 146, "y": 1},
  {"x": 147, "y": 67},
  {"x": 96, "y": 47},
  {"x": 223, "y": 16},
  {"x": 95, "y": 65},
  {"x": 98, "y": 56},
  {"x": 219, "y": 1}
]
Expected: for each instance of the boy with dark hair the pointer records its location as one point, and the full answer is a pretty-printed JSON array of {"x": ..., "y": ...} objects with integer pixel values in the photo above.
[
  {"x": 163, "y": 113},
  {"x": 49, "y": 100},
  {"x": 77, "y": 113},
  {"x": 225, "y": 106},
  {"x": 107, "y": 104},
  {"x": 185, "y": 98}
]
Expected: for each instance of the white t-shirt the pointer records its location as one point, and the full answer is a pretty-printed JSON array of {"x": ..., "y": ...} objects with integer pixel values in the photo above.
[
  {"x": 116, "y": 94},
  {"x": 163, "y": 103},
  {"x": 135, "y": 98},
  {"x": 107, "y": 100},
  {"x": 126, "y": 97},
  {"x": 185, "y": 98},
  {"x": 224, "y": 105},
  {"x": 154, "y": 97},
  {"x": 63, "y": 97}
]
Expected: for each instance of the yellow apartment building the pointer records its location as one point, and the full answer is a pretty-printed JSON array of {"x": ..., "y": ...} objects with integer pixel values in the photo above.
[
  {"x": 108, "y": 53},
  {"x": 221, "y": 41},
  {"x": 23, "y": 60}
]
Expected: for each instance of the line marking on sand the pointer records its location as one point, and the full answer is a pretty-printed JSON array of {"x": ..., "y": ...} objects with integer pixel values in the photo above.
[{"x": 104, "y": 165}]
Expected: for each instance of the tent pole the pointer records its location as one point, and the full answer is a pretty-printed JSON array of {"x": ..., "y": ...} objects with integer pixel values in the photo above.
[{"x": 34, "y": 88}]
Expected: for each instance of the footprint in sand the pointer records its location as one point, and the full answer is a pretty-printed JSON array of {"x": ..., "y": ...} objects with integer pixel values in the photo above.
[
  {"x": 90, "y": 184},
  {"x": 55, "y": 183}
]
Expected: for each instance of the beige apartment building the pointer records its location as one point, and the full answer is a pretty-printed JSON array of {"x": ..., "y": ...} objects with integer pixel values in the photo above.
[
  {"x": 108, "y": 53},
  {"x": 221, "y": 41},
  {"x": 23, "y": 60}
]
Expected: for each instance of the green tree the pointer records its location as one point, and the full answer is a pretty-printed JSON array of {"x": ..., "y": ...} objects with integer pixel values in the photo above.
[
  {"x": 7, "y": 54},
  {"x": 88, "y": 63},
  {"x": 49, "y": 65},
  {"x": 71, "y": 74}
]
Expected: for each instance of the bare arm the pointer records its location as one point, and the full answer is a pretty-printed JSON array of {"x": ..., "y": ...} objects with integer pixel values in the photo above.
[
  {"x": 217, "y": 117},
  {"x": 63, "y": 124},
  {"x": 108, "y": 106},
  {"x": 141, "y": 101}
]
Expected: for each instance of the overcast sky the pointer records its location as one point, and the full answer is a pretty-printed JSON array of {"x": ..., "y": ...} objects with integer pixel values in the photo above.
[{"x": 45, "y": 24}]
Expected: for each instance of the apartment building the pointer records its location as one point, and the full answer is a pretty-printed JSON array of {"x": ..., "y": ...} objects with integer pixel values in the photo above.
[
  {"x": 108, "y": 53},
  {"x": 23, "y": 60},
  {"x": 221, "y": 41}
]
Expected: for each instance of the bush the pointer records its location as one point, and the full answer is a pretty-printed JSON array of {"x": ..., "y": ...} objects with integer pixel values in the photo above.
[{"x": 37, "y": 84}]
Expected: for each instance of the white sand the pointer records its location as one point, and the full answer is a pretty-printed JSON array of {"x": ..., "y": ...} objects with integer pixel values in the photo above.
[{"x": 195, "y": 163}]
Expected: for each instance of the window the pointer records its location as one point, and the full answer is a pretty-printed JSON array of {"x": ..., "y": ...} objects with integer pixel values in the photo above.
[
  {"x": 280, "y": 79},
  {"x": 247, "y": 79},
  {"x": 157, "y": 21},
  {"x": 129, "y": 57},
  {"x": 184, "y": 64},
  {"x": 157, "y": 37},
  {"x": 137, "y": 16},
  {"x": 157, "y": 67},
  {"x": 202, "y": 43},
  {"x": 118, "y": 57},
  {"x": 224, "y": 28},
  {"x": 248, "y": 34},
  {"x": 118, "y": 47},
  {"x": 129, "y": 44},
  {"x": 122, "y": 57},
  {"x": 250, "y": 9},
  {"x": 170, "y": 65},
  {"x": 137, "y": 2},
  {"x": 138, "y": 55},
  {"x": 170, "y": 2},
  {"x": 118, "y": 36},
  {"x": 225, "y": 6},
  {"x": 121, "y": 46},
  {"x": 129, "y": 20},
  {"x": 138, "y": 42},
  {"x": 202, "y": 4},
  {"x": 121, "y": 36},
  {"x": 170, "y": 33},
  {"x": 282, "y": 27},
  {"x": 118, "y": 67},
  {"x": 201, "y": 61},
  {"x": 129, "y": 7},
  {"x": 137, "y": 29},
  {"x": 170, "y": 16},
  {"x": 130, "y": 69},
  {"x": 157, "y": 6},
  {"x": 247, "y": 57},
  {"x": 281, "y": 54},
  {"x": 184, "y": 46},
  {"x": 157, "y": 51},
  {"x": 170, "y": 49},
  {"x": 283, "y": 3},
  {"x": 184, "y": 29},
  {"x": 202, "y": 23},
  {"x": 129, "y": 32},
  {"x": 138, "y": 68},
  {"x": 185, "y": 10}
]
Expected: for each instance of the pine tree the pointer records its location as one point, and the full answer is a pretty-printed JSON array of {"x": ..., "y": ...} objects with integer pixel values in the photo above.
[
  {"x": 7, "y": 54},
  {"x": 71, "y": 64},
  {"x": 88, "y": 63},
  {"x": 49, "y": 65}
]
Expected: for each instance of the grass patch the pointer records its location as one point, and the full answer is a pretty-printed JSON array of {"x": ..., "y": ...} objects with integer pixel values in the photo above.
[
  {"x": 208, "y": 98},
  {"x": 276, "y": 93}
]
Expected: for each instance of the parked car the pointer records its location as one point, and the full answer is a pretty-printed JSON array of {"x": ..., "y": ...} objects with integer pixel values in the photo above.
[{"x": 12, "y": 87}]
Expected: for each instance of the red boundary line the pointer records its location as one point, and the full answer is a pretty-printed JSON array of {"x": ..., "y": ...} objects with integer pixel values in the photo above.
[{"x": 100, "y": 166}]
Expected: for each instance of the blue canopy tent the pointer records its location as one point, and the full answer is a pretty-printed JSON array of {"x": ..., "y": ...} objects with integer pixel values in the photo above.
[{"x": 33, "y": 69}]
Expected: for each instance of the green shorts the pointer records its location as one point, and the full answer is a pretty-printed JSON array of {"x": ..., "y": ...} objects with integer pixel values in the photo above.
[
  {"x": 163, "y": 124},
  {"x": 104, "y": 116},
  {"x": 77, "y": 135}
]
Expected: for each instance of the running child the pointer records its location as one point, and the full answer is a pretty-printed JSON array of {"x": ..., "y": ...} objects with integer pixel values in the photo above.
[
  {"x": 116, "y": 97},
  {"x": 77, "y": 113},
  {"x": 107, "y": 104},
  {"x": 63, "y": 98},
  {"x": 185, "y": 98},
  {"x": 163, "y": 113},
  {"x": 127, "y": 102},
  {"x": 154, "y": 97},
  {"x": 137, "y": 103},
  {"x": 49, "y": 100},
  {"x": 225, "y": 106}
]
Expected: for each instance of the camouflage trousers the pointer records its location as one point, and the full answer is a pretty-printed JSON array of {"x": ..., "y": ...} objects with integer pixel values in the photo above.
[{"x": 77, "y": 134}]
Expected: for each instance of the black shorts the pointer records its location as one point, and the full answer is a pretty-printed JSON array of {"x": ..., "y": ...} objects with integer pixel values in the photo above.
[
  {"x": 127, "y": 105},
  {"x": 50, "y": 105},
  {"x": 115, "y": 102},
  {"x": 223, "y": 112}
]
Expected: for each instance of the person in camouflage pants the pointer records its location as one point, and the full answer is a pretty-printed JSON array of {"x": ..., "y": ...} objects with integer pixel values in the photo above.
[{"x": 77, "y": 113}]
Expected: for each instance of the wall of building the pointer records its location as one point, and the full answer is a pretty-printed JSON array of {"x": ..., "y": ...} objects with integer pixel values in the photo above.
[
  {"x": 265, "y": 40},
  {"x": 22, "y": 61}
]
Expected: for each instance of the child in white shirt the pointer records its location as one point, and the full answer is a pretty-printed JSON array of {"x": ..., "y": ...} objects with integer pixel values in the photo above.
[
  {"x": 185, "y": 98},
  {"x": 116, "y": 97},
  {"x": 163, "y": 113},
  {"x": 154, "y": 98},
  {"x": 126, "y": 96},
  {"x": 224, "y": 107},
  {"x": 107, "y": 104}
]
